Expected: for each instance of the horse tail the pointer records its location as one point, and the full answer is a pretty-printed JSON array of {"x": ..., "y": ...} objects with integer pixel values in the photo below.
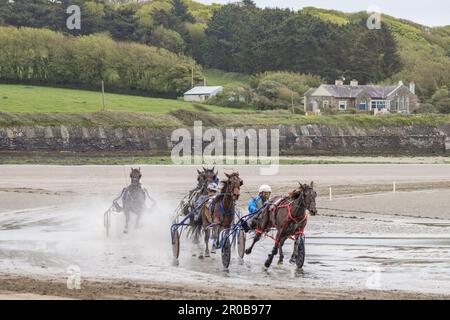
[{"x": 196, "y": 227}]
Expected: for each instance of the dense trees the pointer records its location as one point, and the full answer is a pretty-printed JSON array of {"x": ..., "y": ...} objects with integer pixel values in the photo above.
[
  {"x": 269, "y": 90},
  {"x": 46, "y": 57},
  {"x": 243, "y": 38},
  {"x": 165, "y": 23},
  {"x": 236, "y": 37}
]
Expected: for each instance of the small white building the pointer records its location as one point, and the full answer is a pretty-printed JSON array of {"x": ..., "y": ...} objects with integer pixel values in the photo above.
[{"x": 199, "y": 94}]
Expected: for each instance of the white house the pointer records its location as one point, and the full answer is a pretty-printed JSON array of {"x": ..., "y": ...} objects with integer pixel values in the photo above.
[{"x": 199, "y": 94}]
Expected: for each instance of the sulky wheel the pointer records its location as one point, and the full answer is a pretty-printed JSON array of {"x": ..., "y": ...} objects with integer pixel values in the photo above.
[
  {"x": 241, "y": 243},
  {"x": 176, "y": 244},
  {"x": 300, "y": 251},
  {"x": 226, "y": 251}
]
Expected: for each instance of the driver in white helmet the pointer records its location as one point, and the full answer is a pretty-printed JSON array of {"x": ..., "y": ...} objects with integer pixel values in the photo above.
[
  {"x": 212, "y": 189},
  {"x": 255, "y": 204}
]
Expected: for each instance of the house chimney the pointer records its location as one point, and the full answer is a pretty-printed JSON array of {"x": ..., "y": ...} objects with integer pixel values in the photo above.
[
  {"x": 339, "y": 82},
  {"x": 400, "y": 83},
  {"x": 412, "y": 87},
  {"x": 354, "y": 83}
]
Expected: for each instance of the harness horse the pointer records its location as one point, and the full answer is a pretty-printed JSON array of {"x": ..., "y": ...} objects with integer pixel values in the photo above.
[
  {"x": 288, "y": 216},
  {"x": 133, "y": 201},
  {"x": 220, "y": 215},
  {"x": 187, "y": 215}
]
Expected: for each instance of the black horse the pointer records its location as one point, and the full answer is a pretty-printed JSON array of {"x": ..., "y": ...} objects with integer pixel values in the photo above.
[{"x": 133, "y": 199}]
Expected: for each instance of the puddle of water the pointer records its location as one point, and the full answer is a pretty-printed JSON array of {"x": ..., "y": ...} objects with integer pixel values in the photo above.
[{"x": 50, "y": 241}]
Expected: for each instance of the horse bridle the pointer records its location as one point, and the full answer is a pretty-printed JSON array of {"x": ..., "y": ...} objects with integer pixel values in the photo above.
[{"x": 301, "y": 203}]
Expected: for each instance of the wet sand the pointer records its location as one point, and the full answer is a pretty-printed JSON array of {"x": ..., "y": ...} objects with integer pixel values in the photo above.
[{"x": 51, "y": 220}]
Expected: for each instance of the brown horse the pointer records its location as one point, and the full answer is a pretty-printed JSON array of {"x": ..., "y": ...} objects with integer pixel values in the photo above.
[
  {"x": 204, "y": 178},
  {"x": 221, "y": 211},
  {"x": 289, "y": 215}
]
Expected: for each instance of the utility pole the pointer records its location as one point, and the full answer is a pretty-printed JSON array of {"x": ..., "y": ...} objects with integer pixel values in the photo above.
[
  {"x": 292, "y": 102},
  {"x": 103, "y": 95}
]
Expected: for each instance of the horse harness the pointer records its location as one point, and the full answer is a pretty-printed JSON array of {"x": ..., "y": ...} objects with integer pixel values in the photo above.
[
  {"x": 221, "y": 210},
  {"x": 289, "y": 205}
]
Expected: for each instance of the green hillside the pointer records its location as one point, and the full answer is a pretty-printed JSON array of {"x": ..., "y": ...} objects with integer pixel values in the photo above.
[
  {"x": 29, "y": 105},
  {"x": 21, "y": 98},
  {"x": 150, "y": 48}
]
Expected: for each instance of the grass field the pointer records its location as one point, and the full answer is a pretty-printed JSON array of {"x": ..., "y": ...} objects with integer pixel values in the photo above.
[
  {"x": 31, "y": 105},
  {"x": 22, "y": 98}
]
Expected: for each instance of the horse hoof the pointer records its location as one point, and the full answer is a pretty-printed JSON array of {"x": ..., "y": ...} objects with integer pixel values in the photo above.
[
  {"x": 292, "y": 261},
  {"x": 280, "y": 263},
  {"x": 248, "y": 251},
  {"x": 267, "y": 265},
  {"x": 207, "y": 255},
  {"x": 200, "y": 257},
  {"x": 125, "y": 231}
]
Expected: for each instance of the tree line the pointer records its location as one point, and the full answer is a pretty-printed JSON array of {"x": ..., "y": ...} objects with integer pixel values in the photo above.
[
  {"x": 238, "y": 37},
  {"x": 41, "y": 56},
  {"x": 163, "y": 23},
  {"x": 244, "y": 38}
]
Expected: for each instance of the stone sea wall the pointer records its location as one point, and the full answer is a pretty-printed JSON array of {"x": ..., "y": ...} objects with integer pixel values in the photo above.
[{"x": 295, "y": 140}]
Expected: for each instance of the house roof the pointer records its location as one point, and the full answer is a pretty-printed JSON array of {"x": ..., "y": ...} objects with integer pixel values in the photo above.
[
  {"x": 203, "y": 90},
  {"x": 347, "y": 91}
]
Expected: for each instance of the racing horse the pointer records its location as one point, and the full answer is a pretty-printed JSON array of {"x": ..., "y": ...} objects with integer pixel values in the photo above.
[
  {"x": 204, "y": 178},
  {"x": 289, "y": 215},
  {"x": 133, "y": 199},
  {"x": 222, "y": 210}
]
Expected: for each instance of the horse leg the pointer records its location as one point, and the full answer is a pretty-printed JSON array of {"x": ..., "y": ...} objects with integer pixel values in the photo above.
[
  {"x": 294, "y": 253},
  {"x": 215, "y": 238},
  {"x": 262, "y": 224},
  {"x": 207, "y": 232},
  {"x": 255, "y": 240},
  {"x": 127, "y": 221},
  {"x": 280, "y": 260},
  {"x": 270, "y": 257},
  {"x": 138, "y": 221}
]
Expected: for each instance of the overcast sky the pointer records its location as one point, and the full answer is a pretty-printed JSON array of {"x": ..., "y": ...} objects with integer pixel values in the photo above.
[{"x": 427, "y": 12}]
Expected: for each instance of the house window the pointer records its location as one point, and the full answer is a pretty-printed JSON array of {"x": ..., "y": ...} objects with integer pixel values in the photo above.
[
  {"x": 342, "y": 105},
  {"x": 380, "y": 104},
  {"x": 363, "y": 106},
  {"x": 403, "y": 106}
]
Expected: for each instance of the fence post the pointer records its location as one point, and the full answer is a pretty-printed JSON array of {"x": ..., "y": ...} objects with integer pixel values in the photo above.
[{"x": 394, "y": 187}]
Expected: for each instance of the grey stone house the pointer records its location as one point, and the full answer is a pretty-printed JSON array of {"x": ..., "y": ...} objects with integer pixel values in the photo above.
[{"x": 395, "y": 99}]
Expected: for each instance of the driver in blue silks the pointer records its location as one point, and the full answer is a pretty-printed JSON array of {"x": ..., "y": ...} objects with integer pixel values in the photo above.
[{"x": 255, "y": 204}]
